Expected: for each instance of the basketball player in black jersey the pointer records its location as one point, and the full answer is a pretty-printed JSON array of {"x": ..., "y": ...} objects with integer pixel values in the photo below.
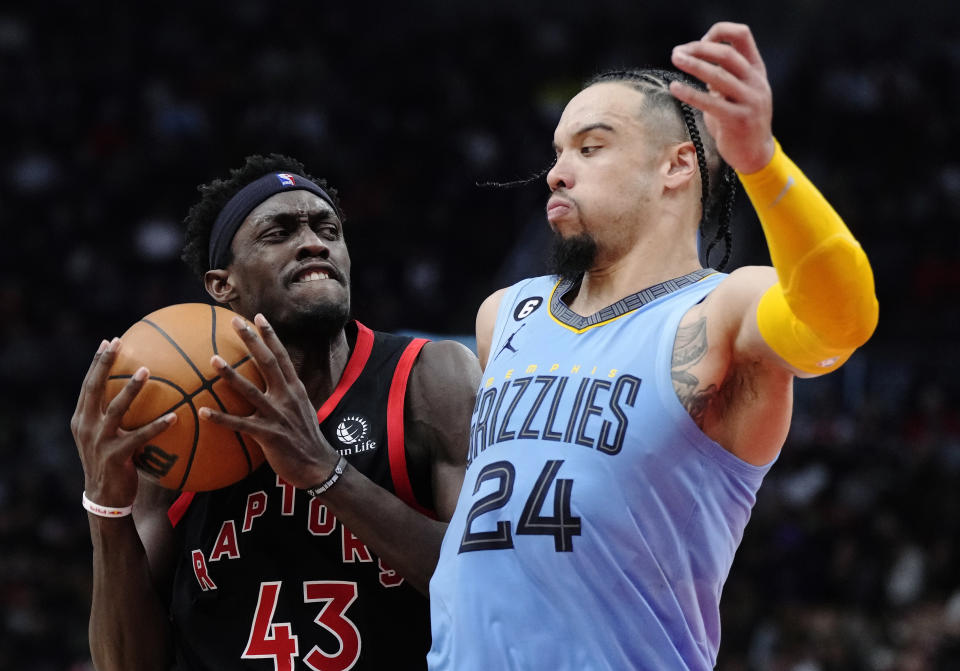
[{"x": 320, "y": 559}]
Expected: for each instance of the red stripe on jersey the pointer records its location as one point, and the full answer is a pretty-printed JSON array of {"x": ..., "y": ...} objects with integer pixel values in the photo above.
[
  {"x": 358, "y": 359},
  {"x": 395, "y": 443},
  {"x": 179, "y": 507}
]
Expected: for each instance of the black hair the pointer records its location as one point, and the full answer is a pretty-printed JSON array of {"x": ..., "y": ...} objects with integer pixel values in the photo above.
[
  {"x": 718, "y": 181},
  {"x": 215, "y": 195}
]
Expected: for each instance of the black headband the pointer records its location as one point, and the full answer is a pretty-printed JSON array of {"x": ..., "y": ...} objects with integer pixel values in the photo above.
[{"x": 247, "y": 198}]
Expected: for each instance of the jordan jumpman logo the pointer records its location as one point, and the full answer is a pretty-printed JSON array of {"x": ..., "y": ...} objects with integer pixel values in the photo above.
[{"x": 507, "y": 344}]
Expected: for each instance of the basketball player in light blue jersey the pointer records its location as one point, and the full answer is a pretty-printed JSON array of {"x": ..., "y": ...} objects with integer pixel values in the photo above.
[{"x": 632, "y": 404}]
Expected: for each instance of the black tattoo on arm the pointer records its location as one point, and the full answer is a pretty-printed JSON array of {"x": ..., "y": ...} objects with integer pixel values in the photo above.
[
  {"x": 691, "y": 344},
  {"x": 689, "y": 348}
]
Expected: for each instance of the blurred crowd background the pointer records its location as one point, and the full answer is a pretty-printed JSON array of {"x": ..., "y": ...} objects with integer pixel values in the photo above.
[{"x": 110, "y": 115}]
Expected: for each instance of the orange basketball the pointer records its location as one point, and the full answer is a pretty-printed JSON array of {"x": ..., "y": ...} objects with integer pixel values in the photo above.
[{"x": 175, "y": 344}]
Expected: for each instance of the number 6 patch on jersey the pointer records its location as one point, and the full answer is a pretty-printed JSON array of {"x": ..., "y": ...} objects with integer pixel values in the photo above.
[{"x": 526, "y": 306}]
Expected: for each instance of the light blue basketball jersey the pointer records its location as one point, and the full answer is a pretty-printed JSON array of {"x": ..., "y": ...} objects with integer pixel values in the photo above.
[{"x": 596, "y": 524}]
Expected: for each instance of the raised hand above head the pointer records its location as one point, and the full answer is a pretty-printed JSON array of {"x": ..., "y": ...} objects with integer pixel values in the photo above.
[{"x": 738, "y": 103}]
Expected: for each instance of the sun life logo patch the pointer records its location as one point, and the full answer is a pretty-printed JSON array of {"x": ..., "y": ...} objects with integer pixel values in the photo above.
[{"x": 352, "y": 429}]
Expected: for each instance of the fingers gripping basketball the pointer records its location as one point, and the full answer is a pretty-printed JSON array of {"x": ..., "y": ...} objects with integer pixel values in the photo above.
[{"x": 176, "y": 344}]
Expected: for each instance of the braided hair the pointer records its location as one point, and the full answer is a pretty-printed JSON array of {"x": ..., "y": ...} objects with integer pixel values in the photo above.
[{"x": 717, "y": 179}]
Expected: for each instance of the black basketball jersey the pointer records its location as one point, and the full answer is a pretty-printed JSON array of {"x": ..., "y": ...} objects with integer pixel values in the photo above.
[{"x": 267, "y": 579}]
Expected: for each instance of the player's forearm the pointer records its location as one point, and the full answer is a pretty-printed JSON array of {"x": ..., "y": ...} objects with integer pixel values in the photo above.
[
  {"x": 824, "y": 305},
  {"x": 129, "y": 624},
  {"x": 407, "y": 541}
]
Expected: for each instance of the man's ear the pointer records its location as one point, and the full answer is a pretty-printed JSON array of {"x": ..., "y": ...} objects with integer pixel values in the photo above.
[
  {"x": 682, "y": 165},
  {"x": 219, "y": 286}
]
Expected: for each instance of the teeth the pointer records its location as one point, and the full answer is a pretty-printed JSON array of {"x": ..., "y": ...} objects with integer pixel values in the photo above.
[{"x": 314, "y": 276}]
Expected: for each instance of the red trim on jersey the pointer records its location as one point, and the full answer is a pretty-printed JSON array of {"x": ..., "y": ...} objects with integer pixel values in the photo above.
[
  {"x": 395, "y": 443},
  {"x": 356, "y": 362},
  {"x": 179, "y": 508},
  {"x": 358, "y": 359}
]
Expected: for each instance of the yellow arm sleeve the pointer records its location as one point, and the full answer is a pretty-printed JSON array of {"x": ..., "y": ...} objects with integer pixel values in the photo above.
[{"x": 824, "y": 305}]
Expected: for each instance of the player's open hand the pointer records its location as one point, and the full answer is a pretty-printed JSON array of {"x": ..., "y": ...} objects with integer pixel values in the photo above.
[
  {"x": 106, "y": 450},
  {"x": 738, "y": 106},
  {"x": 284, "y": 423}
]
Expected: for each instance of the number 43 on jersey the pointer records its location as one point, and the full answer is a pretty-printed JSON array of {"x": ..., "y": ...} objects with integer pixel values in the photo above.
[{"x": 276, "y": 640}]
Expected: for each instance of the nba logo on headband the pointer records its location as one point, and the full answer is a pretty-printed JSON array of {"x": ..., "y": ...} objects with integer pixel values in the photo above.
[{"x": 286, "y": 179}]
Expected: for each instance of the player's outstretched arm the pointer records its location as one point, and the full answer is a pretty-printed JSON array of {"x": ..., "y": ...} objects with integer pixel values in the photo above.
[
  {"x": 285, "y": 426},
  {"x": 823, "y": 304},
  {"x": 129, "y": 624}
]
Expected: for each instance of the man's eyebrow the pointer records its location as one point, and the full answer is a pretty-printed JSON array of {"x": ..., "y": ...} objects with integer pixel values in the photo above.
[
  {"x": 274, "y": 218},
  {"x": 599, "y": 125},
  {"x": 286, "y": 217},
  {"x": 594, "y": 126}
]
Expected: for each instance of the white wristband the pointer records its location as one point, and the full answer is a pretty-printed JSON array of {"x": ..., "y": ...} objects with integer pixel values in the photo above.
[{"x": 105, "y": 511}]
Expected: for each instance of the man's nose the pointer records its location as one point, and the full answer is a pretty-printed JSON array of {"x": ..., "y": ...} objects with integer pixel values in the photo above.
[
  {"x": 560, "y": 175},
  {"x": 309, "y": 243}
]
